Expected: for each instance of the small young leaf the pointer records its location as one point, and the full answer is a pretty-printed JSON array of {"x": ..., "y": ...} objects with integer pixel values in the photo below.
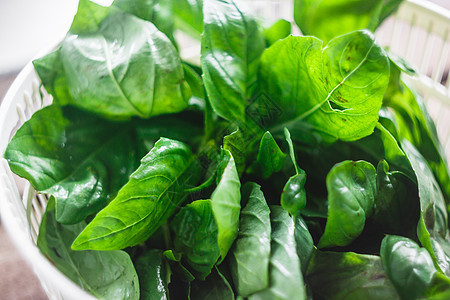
[
  {"x": 277, "y": 31},
  {"x": 351, "y": 194},
  {"x": 226, "y": 202},
  {"x": 150, "y": 197},
  {"x": 293, "y": 197},
  {"x": 250, "y": 269},
  {"x": 104, "y": 274},
  {"x": 270, "y": 158}
]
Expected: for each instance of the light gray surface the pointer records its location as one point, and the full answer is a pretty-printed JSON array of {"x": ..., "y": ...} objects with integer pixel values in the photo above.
[{"x": 17, "y": 280}]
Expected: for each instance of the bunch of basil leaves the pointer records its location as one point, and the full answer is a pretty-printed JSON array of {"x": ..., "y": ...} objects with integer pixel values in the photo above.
[{"x": 280, "y": 167}]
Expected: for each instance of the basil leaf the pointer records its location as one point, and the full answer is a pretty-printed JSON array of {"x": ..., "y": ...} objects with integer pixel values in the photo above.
[
  {"x": 196, "y": 236},
  {"x": 285, "y": 277},
  {"x": 348, "y": 275},
  {"x": 328, "y": 19},
  {"x": 270, "y": 158},
  {"x": 304, "y": 242},
  {"x": 159, "y": 12},
  {"x": 293, "y": 197},
  {"x": 335, "y": 90},
  {"x": 88, "y": 17},
  {"x": 250, "y": 269},
  {"x": 152, "y": 272},
  {"x": 70, "y": 154},
  {"x": 409, "y": 267},
  {"x": 106, "y": 274},
  {"x": 231, "y": 46},
  {"x": 351, "y": 194},
  {"x": 150, "y": 197},
  {"x": 225, "y": 202},
  {"x": 237, "y": 145},
  {"x": 126, "y": 68}
]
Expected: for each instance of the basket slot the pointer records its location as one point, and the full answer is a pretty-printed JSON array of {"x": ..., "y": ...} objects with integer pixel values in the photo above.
[
  {"x": 438, "y": 72},
  {"x": 429, "y": 43},
  {"x": 411, "y": 48}
]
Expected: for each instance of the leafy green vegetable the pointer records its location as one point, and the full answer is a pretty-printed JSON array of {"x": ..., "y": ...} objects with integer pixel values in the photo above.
[
  {"x": 226, "y": 202},
  {"x": 136, "y": 136},
  {"x": 348, "y": 275},
  {"x": 231, "y": 46},
  {"x": 330, "y": 18},
  {"x": 152, "y": 273},
  {"x": 151, "y": 196},
  {"x": 106, "y": 274},
  {"x": 137, "y": 73},
  {"x": 337, "y": 90},
  {"x": 250, "y": 269},
  {"x": 196, "y": 236},
  {"x": 74, "y": 156},
  {"x": 351, "y": 194},
  {"x": 285, "y": 277}
]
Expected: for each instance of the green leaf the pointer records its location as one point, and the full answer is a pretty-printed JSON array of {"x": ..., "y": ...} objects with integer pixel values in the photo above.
[
  {"x": 270, "y": 158},
  {"x": 196, "y": 236},
  {"x": 231, "y": 46},
  {"x": 285, "y": 277},
  {"x": 150, "y": 197},
  {"x": 226, "y": 202},
  {"x": 237, "y": 145},
  {"x": 152, "y": 272},
  {"x": 348, "y": 276},
  {"x": 189, "y": 16},
  {"x": 215, "y": 287},
  {"x": 251, "y": 251},
  {"x": 277, "y": 31},
  {"x": 409, "y": 267},
  {"x": 304, "y": 242},
  {"x": 51, "y": 72},
  {"x": 159, "y": 12},
  {"x": 106, "y": 274},
  {"x": 88, "y": 17},
  {"x": 396, "y": 208},
  {"x": 433, "y": 211},
  {"x": 293, "y": 197},
  {"x": 351, "y": 194},
  {"x": 126, "y": 68},
  {"x": 328, "y": 19},
  {"x": 336, "y": 91},
  {"x": 78, "y": 158}
]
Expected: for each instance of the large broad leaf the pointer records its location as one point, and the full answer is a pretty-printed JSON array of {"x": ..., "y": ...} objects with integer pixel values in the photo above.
[
  {"x": 409, "y": 113},
  {"x": 250, "y": 255},
  {"x": 106, "y": 274},
  {"x": 159, "y": 12},
  {"x": 348, "y": 276},
  {"x": 285, "y": 276},
  {"x": 150, "y": 197},
  {"x": 351, "y": 194},
  {"x": 196, "y": 236},
  {"x": 226, "y": 202},
  {"x": 335, "y": 91},
  {"x": 270, "y": 158},
  {"x": 409, "y": 267},
  {"x": 152, "y": 272},
  {"x": 125, "y": 68},
  {"x": 231, "y": 46},
  {"x": 330, "y": 18},
  {"x": 78, "y": 158}
]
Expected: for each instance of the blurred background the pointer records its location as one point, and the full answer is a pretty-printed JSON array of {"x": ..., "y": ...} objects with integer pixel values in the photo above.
[{"x": 29, "y": 28}]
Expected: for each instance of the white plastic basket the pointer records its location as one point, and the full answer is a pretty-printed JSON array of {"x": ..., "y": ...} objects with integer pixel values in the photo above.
[{"x": 21, "y": 210}]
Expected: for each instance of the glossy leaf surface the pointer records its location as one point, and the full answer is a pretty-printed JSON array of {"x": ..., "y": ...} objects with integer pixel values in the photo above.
[
  {"x": 106, "y": 274},
  {"x": 152, "y": 272},
  {"x": 151, "y": 195},
  {"x": 251, "y": 251},
  {"x": 270, "y": 158},
  {"x": 351, "y": 194}
]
